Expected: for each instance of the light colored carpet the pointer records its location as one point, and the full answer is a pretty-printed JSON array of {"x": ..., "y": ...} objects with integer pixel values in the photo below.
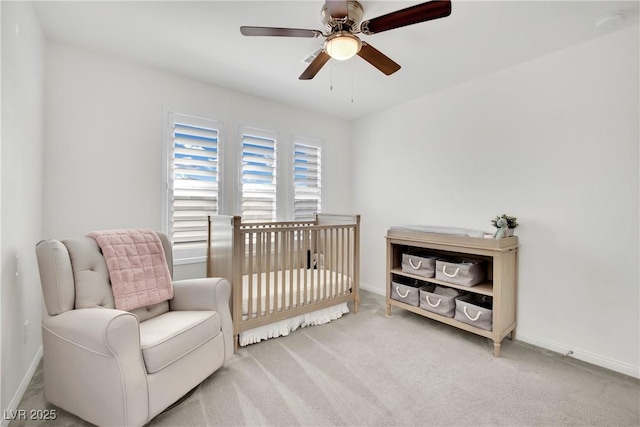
[{"x": 406, "y": 370}]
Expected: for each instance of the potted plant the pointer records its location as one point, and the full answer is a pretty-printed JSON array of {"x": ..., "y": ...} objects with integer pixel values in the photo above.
[{"x": 512, "y": 222}]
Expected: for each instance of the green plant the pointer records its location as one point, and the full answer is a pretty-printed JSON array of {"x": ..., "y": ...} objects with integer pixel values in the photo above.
[{"x": 512, "y": 221}]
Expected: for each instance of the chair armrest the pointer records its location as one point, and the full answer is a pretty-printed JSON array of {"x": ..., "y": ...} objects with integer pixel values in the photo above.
[
  {"x": 93, "y": 366},
  {"x": 101, "y": 330},
  {"x": 200, "y": 294},
  {"x": 211, "y": 293}
]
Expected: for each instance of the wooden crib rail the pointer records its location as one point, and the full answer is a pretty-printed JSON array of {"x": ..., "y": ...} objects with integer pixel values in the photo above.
[{"x": 283, "y": 269}]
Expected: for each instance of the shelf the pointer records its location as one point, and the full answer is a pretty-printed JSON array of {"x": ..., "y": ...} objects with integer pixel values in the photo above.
[
  {"x": 485, "y": 288},
  {"x": 448, "y": 320},
  {"x": 464, "y": 243},
  {"x": 501, "y": 256}
]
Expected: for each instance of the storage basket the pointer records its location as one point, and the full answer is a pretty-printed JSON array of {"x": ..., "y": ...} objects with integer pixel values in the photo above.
[
  {"x": 463, "y": 272},
  {"x": 475, "y": 310},
  {"x": 419, "y": 265},
  {"x": 438, "y": 299},
  {"x": 406, "y": 291}
]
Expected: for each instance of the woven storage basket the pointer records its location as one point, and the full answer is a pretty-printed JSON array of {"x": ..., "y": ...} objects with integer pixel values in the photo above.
[
  {"x": 419, "y": 265},
  {"x": 407, "y": 292},
  {"x": 463, "y": 272},
  {"x": 438, "y": 299},
  {"x": 475, "y": 310}
]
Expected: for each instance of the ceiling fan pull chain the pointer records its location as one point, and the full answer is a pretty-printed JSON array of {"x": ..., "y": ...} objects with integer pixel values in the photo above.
[
  {"x": 352, "y": 80},
  {"x": 331, "y": 76}
]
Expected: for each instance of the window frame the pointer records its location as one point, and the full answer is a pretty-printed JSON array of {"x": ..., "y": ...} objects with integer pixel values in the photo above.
[
  {"x": 309, "y": 142},
  {"x": 264, "y": 134},
  {"x": 186, "y": 255}
]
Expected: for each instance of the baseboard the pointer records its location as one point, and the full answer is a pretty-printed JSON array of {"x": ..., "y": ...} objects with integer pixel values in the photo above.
[
  {"x": 585, "y": 356},
  {"x": 17, "y": 398},
  {"x": 373, "y": 289}
]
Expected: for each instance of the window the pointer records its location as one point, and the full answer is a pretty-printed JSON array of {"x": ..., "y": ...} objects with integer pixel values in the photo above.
[
  {"x": 307, "y": 180},
  {"x": 258, "y": 175},
  {"x": 193, "y": 180},
  {"x": 197, "y": 184}
]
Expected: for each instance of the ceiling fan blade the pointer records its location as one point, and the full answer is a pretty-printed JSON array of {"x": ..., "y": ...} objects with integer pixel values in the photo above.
[
  {"x": 378, "y": 59},
  {"x": 337, "y": 8},
  {"x": 279, "y": 32},
  {"x": 315, "y": 66},
  {"x": 409, "y": 16}
]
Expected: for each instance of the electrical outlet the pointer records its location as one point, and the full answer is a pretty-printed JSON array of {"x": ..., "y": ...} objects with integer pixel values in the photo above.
[{"x": 26, "y": 332}]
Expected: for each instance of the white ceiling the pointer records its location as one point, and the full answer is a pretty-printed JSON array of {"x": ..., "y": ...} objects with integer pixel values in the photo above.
[{"x": 201, "y": 40}]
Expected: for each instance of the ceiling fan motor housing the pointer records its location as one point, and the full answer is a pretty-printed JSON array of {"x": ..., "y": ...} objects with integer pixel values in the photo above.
[{"x": 349, "y": 23}]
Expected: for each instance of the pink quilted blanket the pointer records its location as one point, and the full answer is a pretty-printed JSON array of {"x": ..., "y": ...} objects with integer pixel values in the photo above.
[{"x": 137, "y": 267}]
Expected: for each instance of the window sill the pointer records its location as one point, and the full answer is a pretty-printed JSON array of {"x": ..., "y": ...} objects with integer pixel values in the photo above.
[{"x": 192, "y": 260}]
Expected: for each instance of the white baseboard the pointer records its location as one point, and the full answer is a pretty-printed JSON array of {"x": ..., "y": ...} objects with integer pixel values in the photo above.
[
  {"x": 13, "y": 405},
  {"x": 373, "y": 289},
  {"x": 585, "y": 356}
]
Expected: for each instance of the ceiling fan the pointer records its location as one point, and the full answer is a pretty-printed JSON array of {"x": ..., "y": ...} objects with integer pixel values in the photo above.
[{"x": 341, "y": 19}]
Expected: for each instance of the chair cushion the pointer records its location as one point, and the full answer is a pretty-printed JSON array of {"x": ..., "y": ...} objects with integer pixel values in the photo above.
[
  {"x": 146, "y": 313},
  {"x": 168, "y": 337},
  {"x": 90, "y": 273},
  {"x": 56, "y": 276}
]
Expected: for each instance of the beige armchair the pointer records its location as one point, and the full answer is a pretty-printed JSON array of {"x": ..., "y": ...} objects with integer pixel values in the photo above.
[{"x": 113, "y": 367}]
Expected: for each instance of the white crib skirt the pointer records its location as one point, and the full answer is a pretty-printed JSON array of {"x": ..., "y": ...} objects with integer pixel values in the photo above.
[{"x": 283, "y": 327}]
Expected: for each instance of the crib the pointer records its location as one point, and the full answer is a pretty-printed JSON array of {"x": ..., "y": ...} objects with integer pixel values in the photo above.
[{"x": 281, "y": 271}]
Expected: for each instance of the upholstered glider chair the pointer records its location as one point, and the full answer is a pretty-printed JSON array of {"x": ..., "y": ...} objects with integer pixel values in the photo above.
[{"x": 122, "y": 368}]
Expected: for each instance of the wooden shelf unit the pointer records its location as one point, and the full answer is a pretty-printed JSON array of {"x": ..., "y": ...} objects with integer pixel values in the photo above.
[{"x": 501, "y": 257}]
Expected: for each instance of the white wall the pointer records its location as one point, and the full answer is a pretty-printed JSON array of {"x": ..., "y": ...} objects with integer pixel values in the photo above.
[
  {"x": 553, "y": 141},
  {"x": 21, "y": 170},
  {"x": 103, "y": 142}
]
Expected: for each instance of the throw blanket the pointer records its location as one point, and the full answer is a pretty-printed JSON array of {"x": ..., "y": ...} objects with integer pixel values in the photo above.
[{"x": 137, "y": 267}]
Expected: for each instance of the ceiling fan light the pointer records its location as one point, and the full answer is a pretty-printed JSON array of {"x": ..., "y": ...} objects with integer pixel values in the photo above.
[{"x": 342, "y": 46}]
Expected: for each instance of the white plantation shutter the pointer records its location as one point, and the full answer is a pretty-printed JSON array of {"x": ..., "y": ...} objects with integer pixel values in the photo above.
[
  {"x": 258, "y": 175},
  {"x": 307, "y": 182},
  {"x": 193, "y": 182}
]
